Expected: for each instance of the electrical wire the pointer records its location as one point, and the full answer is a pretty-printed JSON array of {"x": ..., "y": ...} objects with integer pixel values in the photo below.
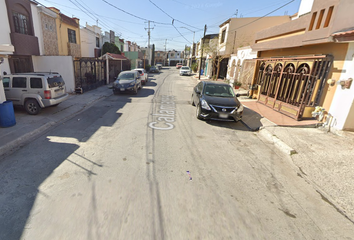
[
  {"x": 262, "y": 16},
  {"x": 173, "y": 19},
  {"x": 133, "y": 14}
]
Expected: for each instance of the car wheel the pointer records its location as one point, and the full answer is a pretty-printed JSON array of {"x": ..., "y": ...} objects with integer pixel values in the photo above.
[
  {"x": 199, "y": 112},
  {"x": 192, "y": 101},
  {"x": 32, "y": 107}
]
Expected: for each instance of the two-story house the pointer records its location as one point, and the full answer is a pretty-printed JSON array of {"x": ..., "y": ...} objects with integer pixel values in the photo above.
[
  {"x": 303, "y": 63},
  {"x": 239, "y": 32},
  {"x": 208, "y": 46},
  {"x": 22, "y": 35},
  {"x": 91, "y": 42},
  {"x": 119, "y": 43},
  {"x": 160, "y": 57},
  {"x": 68, "y": 30},
  {"x": 133, "y": 52},
  {"x": 174, "y": 57},
  {"x": 6, "y": 47}
]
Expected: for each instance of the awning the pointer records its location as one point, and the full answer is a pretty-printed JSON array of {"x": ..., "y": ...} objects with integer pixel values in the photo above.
[
  {"x": 344, "y": 35},
  {"x": 114, "y": 56}
]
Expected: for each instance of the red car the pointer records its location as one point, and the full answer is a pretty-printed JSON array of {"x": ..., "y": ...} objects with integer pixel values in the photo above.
[{"x": 179, "y": 65}]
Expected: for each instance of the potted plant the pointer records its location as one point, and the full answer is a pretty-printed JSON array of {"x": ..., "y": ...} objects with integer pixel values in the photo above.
[{"x": 237, "y": 84}]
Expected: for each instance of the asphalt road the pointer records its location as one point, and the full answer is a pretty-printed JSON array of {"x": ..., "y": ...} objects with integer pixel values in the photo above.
[{"x": 143, "y": 167}]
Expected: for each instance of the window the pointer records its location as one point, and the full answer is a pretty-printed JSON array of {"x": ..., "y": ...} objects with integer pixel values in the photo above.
[
  {"x": 97, "y": 42},
  {"x": 312, "y": 21},
  {"x": 329, "y": 15},
  {"x": 19, "y": 82},
  {"x": 36, "y": 83},
  {"x": 6, "y": 82},
  {"x": 172, "y": 54},
  {"x": 21, "y": 23},
  {"x": 223, "y": 34},
  {"x": 320, "y": 19},
  {"x": 72, "y": 36}
]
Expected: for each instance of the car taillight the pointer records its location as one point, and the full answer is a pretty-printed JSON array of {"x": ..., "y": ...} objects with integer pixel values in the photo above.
[{"x": 47, "y": 94}]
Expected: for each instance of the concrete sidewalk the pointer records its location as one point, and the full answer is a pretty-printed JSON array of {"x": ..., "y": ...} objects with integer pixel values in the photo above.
[
  {"x": 28, "y": 126},
  {"x": 324, "y": 159}
]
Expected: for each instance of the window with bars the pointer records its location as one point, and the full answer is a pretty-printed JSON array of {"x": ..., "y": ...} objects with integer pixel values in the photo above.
[
  {"x": 72, "y": 35},
  {"x": 21, "y": 23}
]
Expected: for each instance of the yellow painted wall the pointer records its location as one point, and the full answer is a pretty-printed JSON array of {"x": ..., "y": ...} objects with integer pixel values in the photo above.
[
  {"x": 63, "y": 39},
  {"x": 338, "y": 50}
]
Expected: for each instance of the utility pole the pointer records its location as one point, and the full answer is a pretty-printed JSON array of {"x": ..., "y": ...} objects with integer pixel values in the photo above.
[
  {"x": 201, "y": 55},
  {"x": 149, "y": 54},
  {"x": 164, "y": 59}
]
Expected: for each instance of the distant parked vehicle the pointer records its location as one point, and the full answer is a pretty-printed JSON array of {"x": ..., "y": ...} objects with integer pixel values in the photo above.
[
  {"x": 127, "y": 81},
  {"x": 159, "y": 66},
  {"x": 185, "y": 71},
  {"x": 215, "y": 100},
  {"x": 143, "y": 75},
  {"x": 154, "y": 69},
  {"x": 35, "y": 90},
  {"x": 179, "y": 65}
]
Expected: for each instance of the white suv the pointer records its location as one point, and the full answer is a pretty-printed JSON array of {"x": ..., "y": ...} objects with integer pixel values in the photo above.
[{"x": 35, "y": 90}]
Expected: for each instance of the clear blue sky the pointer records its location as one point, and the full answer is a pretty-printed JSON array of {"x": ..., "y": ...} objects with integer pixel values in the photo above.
[{"x": 189, "y": 14}]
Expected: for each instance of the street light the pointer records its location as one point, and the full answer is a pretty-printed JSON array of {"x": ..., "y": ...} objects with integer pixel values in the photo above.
[{"x": 191, "y": 55}]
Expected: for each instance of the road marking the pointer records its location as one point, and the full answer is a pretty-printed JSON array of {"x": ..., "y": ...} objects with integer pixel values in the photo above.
[{"x": 165, "y": 116}]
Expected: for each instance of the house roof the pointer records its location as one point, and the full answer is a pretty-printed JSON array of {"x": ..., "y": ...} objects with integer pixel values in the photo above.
[
  {"x": 69, "y": 20},
  {"x": 114, "y": 56}
]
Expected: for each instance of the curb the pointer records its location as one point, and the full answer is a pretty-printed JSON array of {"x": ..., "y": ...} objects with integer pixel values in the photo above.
[
  {"x": 282, "y": 146},
  {"x": 19, "y": 142}
]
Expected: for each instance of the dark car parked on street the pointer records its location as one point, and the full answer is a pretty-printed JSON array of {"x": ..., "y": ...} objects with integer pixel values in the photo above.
[
  {"x": 127, "y": 81},
  {"x": 154, "y": 69},
  {"x": 215, "y": 100}
]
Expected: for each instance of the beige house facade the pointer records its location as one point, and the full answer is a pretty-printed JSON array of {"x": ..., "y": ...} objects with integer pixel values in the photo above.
[{"x": 300, "y": 64}]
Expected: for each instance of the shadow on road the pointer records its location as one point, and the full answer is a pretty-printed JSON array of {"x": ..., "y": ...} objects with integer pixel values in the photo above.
[
  {"x": 251, "y": 121},
  {"x": 25, "y": 170}
]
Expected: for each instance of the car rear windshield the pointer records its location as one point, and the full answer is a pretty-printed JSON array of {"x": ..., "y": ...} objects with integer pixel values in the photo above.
[
  {"x": 55, "y": 81},
  {"x": 126, "y": 76},
  {"x": 219, "y": 91},
  {"x": 185, "y": 68}
]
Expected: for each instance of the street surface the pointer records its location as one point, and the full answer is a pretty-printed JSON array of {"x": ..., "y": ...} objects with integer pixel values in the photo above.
[{"x": 143, "y": 167}]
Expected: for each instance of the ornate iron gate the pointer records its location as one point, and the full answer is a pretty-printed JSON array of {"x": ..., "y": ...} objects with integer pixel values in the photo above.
[
  {"x": 89, "y": 73},
  {"x": 292, "y": 86}
]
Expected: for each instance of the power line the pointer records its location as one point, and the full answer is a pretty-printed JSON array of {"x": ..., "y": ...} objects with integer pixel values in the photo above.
[
  {"x": 262, "y": 16},
  {"x": 173, "y": 19},
  {"x": 133, "y": 14}
]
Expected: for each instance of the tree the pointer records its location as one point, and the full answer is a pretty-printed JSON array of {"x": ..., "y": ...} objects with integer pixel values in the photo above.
[
  {"x": 211, "y": 48},
  {"x": 110, "y": 48}
]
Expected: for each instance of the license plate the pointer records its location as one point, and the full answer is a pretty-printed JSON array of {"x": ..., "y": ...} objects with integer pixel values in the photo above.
[
  {"x": 223, "y": 115},
  {"x": 122, "y": 89}
]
